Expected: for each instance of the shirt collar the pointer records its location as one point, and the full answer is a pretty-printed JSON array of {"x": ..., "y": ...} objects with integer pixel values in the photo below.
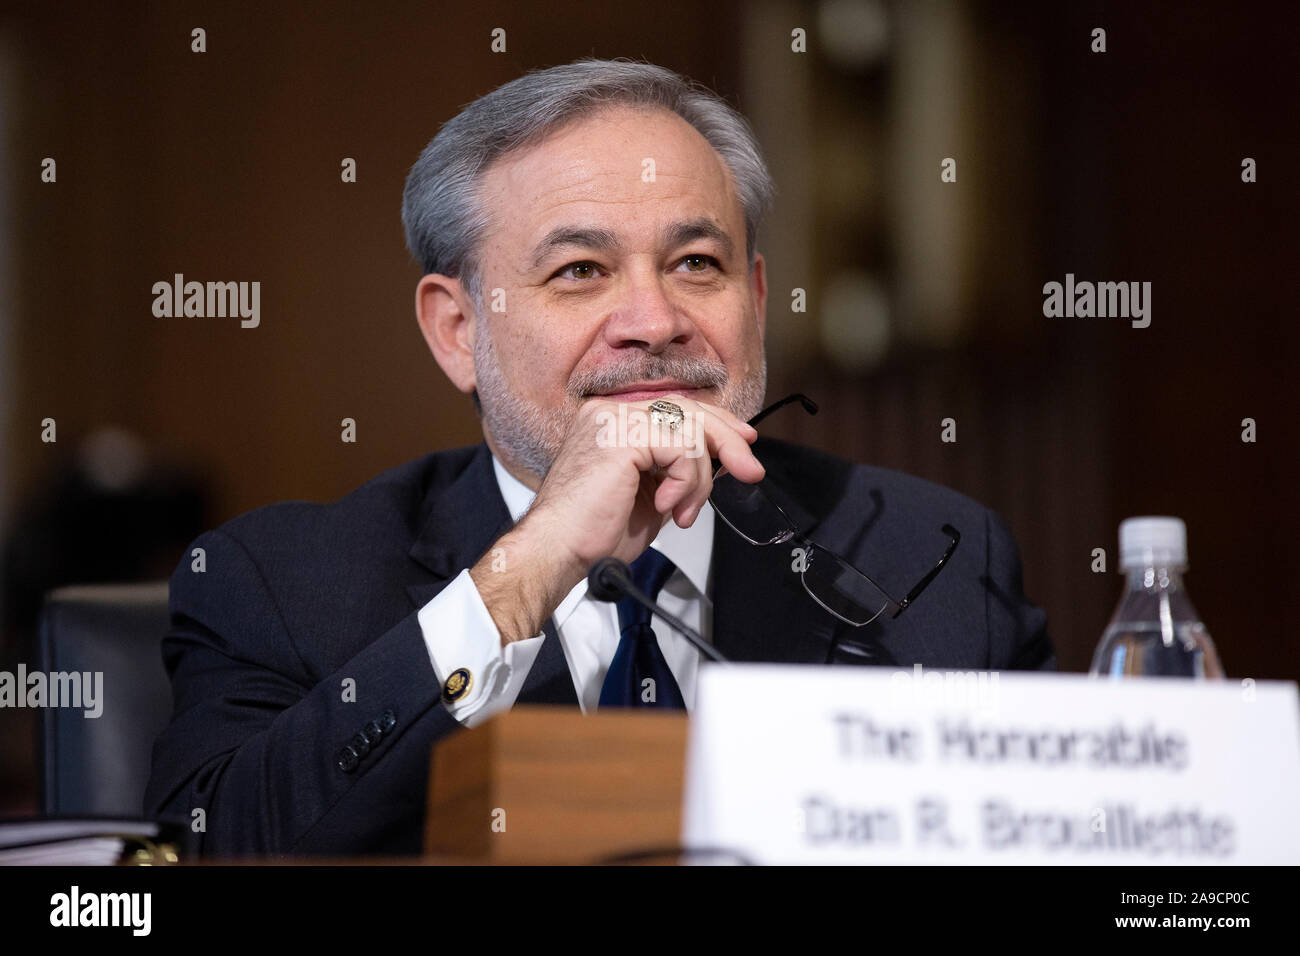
[{"x": 691, "y": 549}]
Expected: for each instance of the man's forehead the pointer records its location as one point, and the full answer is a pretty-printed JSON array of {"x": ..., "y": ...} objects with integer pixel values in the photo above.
[{"x": 620, "y": 167}]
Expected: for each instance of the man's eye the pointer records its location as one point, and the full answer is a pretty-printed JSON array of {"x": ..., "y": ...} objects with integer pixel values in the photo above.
[
  {"x": 581, "y": 270},
  {"x": 699, "y": 263}
]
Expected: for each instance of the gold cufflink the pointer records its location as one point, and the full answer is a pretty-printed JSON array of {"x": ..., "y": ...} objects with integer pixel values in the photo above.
[{"x": 457, "y": 685}]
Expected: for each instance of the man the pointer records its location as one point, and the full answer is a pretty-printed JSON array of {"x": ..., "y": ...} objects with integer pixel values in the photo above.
[{"x": 588, "y": 237}]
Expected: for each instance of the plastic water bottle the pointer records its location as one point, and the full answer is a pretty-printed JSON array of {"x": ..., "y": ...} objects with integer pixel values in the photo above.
[{"x": 1155, "y": 631}]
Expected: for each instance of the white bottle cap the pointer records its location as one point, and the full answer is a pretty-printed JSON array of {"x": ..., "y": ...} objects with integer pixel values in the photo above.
[{"x": 1152, "y": 542}]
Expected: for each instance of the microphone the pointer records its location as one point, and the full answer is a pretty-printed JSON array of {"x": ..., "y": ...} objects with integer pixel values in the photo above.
[{"x": 610, "y": 580}]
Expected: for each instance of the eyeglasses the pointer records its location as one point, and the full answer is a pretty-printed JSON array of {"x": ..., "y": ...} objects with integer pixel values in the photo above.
[{"x": 829, "y": 579}]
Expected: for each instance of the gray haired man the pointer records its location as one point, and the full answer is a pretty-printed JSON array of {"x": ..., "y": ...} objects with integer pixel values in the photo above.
[{"x": 589, "y": 241}]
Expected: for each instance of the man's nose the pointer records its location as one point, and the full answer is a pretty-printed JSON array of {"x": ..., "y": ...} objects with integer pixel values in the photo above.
[{"x": 647, "y": 317}]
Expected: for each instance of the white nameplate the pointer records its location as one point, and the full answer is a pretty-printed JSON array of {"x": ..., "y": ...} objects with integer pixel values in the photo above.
[{"x": 806, "y": 764}]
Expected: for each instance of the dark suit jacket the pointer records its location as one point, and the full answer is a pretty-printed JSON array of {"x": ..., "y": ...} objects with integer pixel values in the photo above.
[{"x": 297, "y": 597}]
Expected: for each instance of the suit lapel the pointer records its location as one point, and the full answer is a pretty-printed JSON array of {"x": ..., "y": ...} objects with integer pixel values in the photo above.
[
  {"x": 462, "y": 522},
  {"x": 760, "y": 610}
]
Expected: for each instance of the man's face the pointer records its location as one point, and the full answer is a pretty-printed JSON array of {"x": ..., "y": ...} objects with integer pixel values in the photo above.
[{"x": 619, "y": 278}]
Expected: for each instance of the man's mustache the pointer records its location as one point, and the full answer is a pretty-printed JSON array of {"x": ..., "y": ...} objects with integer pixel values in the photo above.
[{"x": 695, "y": 372}]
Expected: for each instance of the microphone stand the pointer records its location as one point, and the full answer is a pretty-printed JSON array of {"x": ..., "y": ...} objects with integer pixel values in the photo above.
[{"x": 610, "y": 579}]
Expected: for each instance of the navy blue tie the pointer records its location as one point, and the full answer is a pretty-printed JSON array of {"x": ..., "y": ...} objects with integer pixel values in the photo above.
[{"x": 639, "y": 675}]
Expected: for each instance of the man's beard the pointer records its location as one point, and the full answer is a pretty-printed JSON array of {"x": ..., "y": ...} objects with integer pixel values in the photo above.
[{"x": 532, "y": 435}]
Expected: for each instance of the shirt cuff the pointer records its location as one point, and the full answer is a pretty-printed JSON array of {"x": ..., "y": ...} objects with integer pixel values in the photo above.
[{"x": 461, "y": 635}]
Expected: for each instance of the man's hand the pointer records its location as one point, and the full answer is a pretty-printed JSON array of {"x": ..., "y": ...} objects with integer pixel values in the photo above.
[{"x": 609, "y": 492}]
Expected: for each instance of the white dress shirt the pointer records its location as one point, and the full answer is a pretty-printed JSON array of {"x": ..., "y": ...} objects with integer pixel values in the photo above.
[{"x": 460, "y": 633}]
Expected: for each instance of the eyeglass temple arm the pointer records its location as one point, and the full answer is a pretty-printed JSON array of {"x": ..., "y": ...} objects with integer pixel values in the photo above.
[
  {"x": 955, "y": 535},
  {"x": 808, "y": 404}
]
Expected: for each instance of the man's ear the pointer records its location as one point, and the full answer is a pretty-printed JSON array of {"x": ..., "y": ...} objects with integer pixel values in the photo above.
[
  {"x": 758, "y": 290},
  {"x": 446, "y": 319}
]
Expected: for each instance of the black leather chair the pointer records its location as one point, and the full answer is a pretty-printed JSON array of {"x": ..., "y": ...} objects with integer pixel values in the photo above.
[{"x": 99, "y": 766}]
